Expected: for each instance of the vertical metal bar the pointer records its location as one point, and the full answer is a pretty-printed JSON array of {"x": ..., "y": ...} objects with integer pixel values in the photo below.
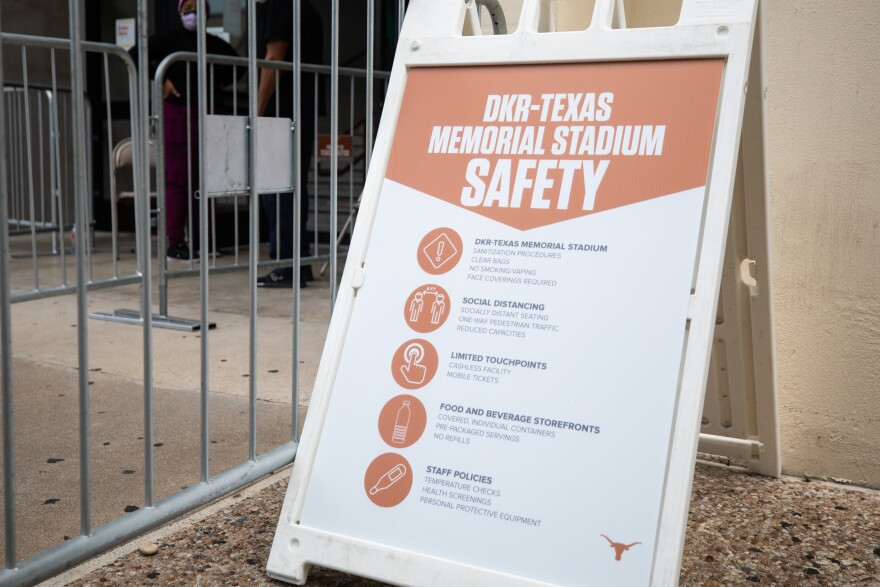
[
  {"x": 189, "y": 178},
  {"x": 334, "y": 142},
  {"x": 368, "y": 130},
  {"x": 58, "y": 235},
  {"x": 275, "y": 94},
  {"x": 114, "y": 246},
  {"x": 277, "y": 203},
  {"x": 315, "y": 175},
  {"x": 235, "y": 198},
  {"x": 32, "y": 210},
  {"x": 90, "y": 216},
  {"x": 253, "y": 232},
  {"x": 203, "y": 225},
  {"x": 55, "y": 163},
  {"x": 351, "y": 82},
  {"x": 161, "y": 229},
  {"x": 297, "y": 206},
  {"x": 17, "y": 164},
  {"x": 235, "y": 222},
  {"x": 80, "y": 194},
  {"x": 9, "y": 490},
  {"x": 211, "y": 89},
  {"x": 141, "y": 158},
  {"x": 234, "y": 90},
  {"x": 9, "y": 96},
  {"x": 13, "y": 154},
  {"x": 38, "y": 95},
  {"x": 67, "y": 175},
  {"x": 212, "y": 223},
  {"x": 401, "y": 8}
]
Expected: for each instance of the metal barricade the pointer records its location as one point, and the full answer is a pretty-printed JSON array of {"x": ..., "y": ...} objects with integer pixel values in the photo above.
[
  {"x": 324, "y": 241},
  {"x": 42, "y": 170},
  {"x": 43, "y": 195},
  {"x": 38, "y": 153}
]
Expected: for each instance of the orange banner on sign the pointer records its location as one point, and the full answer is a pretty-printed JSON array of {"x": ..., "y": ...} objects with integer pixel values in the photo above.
[{"x": 532, "y": 145}]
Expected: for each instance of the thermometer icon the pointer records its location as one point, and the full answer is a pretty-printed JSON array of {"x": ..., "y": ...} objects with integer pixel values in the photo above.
[{"x": 394, "y": 475}]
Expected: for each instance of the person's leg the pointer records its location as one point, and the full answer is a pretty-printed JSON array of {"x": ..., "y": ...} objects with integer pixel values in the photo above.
[
  {"x": 281, "y": 213},
  {"x": 280, "y": 216},
  {"x": 267, "y": 204},
  {"x": 176, "y": 191},
  {"x": 281, "y": 219}
]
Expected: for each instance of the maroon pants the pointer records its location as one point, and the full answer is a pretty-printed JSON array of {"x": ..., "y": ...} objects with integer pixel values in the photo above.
[{"x": 178, "y": 189}]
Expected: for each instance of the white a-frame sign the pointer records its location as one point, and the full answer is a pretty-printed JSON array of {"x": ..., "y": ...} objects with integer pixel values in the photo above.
[{"x": 511, "y": 392}]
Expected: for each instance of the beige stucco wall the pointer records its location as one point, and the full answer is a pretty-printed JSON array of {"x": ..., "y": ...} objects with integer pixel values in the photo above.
[
  {"x": 824, "y": 135},
  {"x": 824, "y": 114}
]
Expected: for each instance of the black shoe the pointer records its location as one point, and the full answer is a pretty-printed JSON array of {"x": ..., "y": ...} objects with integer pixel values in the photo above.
[
  {"x": 180, "y": 252},
  {"x": 305, "y": 276},
  {"x": 278, "y": 278}
]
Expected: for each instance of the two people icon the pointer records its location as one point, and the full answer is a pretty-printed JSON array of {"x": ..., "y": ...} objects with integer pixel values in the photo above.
[
  {"x": 427, "y": 308},
  {"x": 438, "y": 306}
]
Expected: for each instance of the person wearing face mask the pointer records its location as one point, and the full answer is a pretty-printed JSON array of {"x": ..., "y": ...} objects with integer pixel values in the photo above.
[{"x": 180, "y": 110}]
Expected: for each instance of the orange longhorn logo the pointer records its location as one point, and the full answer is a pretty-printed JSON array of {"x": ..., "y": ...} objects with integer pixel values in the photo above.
[{"x": 619, "y": 547}]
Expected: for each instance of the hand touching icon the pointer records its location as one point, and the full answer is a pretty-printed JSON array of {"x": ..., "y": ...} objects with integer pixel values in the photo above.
[
  {"x": 414, "y": 364},
  {"x": 413, "y": 371}
]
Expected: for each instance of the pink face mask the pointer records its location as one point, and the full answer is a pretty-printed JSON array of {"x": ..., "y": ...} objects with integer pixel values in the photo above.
[{"x": 190, "y": 21}]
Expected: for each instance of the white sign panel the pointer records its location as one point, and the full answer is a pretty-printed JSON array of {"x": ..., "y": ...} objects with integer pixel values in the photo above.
[
  {"x": 507, "y": 388},
  {"x": 126, "y": 33}
]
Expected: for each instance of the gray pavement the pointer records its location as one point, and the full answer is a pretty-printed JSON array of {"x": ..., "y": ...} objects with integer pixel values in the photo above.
[{"x": 46, "y": 390}]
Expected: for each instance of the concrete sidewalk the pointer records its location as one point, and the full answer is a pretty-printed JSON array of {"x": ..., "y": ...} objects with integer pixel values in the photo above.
[
  {"x": 742, "y": 530},
  {"x": 46, "y": 393}
]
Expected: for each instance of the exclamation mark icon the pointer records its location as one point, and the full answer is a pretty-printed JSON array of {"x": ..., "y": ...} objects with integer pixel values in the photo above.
[
  {"x": 439, "y": 251},
  {"x": 401, "y": 423}
]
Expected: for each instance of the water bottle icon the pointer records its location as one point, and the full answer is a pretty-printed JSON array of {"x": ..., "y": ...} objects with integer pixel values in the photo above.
[{"x": 401, "y": 423}]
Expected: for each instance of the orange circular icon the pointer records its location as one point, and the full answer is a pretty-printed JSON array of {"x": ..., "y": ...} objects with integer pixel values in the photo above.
[
  {"x": 388, "y": 480},
  {"x": 402, "y": 421},
  {"x": 440, "y": 251},
  {"x": 426, "y": 308},
  {"x": 414, "y": 364}
]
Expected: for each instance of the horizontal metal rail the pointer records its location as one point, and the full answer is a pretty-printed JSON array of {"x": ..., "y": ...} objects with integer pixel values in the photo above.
[
  {"x": 61, "y": 290},
  {"x": 80, "y": 548},
  {"x": 59, "y": 43}
]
